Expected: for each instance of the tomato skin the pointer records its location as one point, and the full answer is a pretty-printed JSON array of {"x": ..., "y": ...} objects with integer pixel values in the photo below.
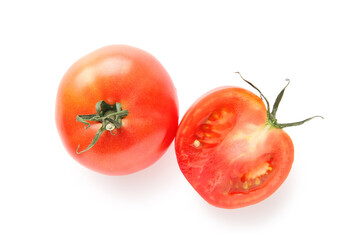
[
  {"x": 134, "y": 78},
  {"x": 227, "y": 150}
]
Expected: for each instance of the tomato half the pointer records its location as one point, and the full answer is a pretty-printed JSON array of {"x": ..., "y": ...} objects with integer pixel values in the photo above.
[
  {"x": 128, "y": 103},
  {"x": 231, "y": 149}
]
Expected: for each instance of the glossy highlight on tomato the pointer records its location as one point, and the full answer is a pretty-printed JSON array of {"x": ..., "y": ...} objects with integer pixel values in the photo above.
[
  {"x": 117, "y": 110},
  {"x": 231, "y": 149}
]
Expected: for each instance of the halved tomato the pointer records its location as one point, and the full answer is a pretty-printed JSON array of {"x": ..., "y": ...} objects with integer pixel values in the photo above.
[{"x": 231, "y": 149}]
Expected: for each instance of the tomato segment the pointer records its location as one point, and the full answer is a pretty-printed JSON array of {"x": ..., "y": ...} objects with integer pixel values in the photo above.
[{"x": 214, "y": 128}]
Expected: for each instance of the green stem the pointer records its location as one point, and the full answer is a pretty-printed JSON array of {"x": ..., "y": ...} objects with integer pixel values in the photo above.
[
  {"x": 109, "y": 115},
  {"x": 278, "y": 100},
  {"x": 272, "y": 115},
  {"x": 283, "y": 125}
]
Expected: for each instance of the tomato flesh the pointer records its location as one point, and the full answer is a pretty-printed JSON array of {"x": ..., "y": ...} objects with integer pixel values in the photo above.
[{"x": 228, "y": 152}]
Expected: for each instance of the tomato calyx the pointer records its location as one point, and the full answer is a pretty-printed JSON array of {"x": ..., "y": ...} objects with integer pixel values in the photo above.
[
  {"x": 271, "y": 116},
  {"x": 109, "y": 115}
]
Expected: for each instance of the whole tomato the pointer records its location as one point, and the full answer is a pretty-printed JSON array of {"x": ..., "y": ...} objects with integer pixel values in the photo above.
[
  {"x": 117, "y": 110},
  {"x": 231, "y": 149}
]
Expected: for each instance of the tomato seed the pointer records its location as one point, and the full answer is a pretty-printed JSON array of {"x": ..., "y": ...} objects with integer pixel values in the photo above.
[{"x": 196, "y": 143}]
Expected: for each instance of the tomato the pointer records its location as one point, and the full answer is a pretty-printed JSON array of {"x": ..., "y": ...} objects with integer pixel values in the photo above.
[
  {"x": 231, "y": 149},
  {"x": 117, "y": 110}
]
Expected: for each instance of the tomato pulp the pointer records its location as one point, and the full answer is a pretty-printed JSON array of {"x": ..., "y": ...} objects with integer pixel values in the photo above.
[
  {"x": 231, "y": 149},
  {"x": 128, "y": 103}
]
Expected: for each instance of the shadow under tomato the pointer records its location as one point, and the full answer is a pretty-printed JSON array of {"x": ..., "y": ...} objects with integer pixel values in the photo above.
[
  {"x": 143, "y": 184},
  {"x": 162, "y": 178}
]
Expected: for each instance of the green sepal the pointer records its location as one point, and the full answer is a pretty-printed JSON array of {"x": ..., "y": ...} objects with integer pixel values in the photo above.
[
  {"x": 272, "y": 115},
  {"x": 105, "y": 114}
]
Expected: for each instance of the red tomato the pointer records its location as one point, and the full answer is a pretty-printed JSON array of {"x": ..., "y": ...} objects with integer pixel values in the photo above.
[
  {"x": 231, "y": 148},
  {"x": 130, "y": 103}
]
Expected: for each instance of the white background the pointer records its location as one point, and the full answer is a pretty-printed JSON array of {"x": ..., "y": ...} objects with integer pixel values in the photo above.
[{"x": 45, "y": 194}]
